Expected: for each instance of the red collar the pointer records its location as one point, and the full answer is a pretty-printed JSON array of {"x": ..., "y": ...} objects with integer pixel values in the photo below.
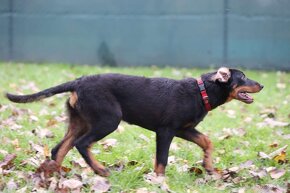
[{"x": 203, "y": 94}]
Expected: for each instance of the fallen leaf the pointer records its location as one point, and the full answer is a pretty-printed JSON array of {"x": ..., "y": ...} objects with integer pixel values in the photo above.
[
  {"x": 46, "y": 151},
  {"x": 234, "y": 169},
  {"x": 33, "y": 118},
  {"x": 223, "y": 137},
  {"x": 120, "y": 129},
  {"x": 263, "y": 155},
  {"x": 99, "y": 184},
  {"x": 271, "y": 122},
  {"x": 3, "y": 152},
  {"x": 195, "y": 170},
  {"x": 268, "y": 188},
  {"x": 11, "y": 185},
  {"x": 273, "y": 145},
  {"x": 277, "y": 173},
  {"x": 72, "y": 184},
  {"x": 143, "y": 190},
  {"x": 247, "y": 164},
  {"x": 281, "y": 85},
  {"x": 15, "y": 144},
  {"x": 281, "y": 158},
  {"x": 51, "y": 122},
  {"x": 278, "y": 151},
  {"x": 174, "y": 146},
  {"x": 231, "y": 114},
  {"x": 7, "y": 162},
  {"x": 37, "y": 148},
  {"x": 48, "y": 167},
  {"x": 108, "y": 144},
  {"x": 132, "y": 163},
  {"x": 268, "y": 112},
  {"x": 152, "y": 178},
  {"x": 43, "y": 133},
  {"x": 79, "y": 163},
  {"x": 261, "y": 173},
  {"x": 118, "y": 166},
  {"x": 144, "y": 138}
]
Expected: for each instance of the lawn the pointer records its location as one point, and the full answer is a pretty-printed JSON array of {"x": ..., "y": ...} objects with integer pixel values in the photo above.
[{"x": 243, "y": 136}]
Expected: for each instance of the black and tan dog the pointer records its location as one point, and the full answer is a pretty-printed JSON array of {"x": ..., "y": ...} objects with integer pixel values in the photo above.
[{"x": 168, "y": 107}]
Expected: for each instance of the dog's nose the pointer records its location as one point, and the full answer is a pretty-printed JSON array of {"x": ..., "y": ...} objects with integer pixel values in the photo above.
[{"x": 262, "y": 86}]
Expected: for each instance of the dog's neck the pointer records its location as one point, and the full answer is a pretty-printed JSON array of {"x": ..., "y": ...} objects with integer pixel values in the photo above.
[{"x": 217, "y": 94}]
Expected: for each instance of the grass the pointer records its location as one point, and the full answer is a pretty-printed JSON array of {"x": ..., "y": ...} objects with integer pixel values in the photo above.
[{"x": 27, "y": 78}]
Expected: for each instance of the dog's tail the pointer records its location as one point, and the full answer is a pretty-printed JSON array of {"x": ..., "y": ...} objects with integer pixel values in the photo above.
[{"x": 65, "y": 87}]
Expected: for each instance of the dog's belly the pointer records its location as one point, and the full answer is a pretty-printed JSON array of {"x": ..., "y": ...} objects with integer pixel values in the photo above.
[{"x": 144, "y": 121}]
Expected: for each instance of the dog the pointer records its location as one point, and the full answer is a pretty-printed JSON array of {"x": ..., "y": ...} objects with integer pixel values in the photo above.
[{"x": 171, "y": 108}]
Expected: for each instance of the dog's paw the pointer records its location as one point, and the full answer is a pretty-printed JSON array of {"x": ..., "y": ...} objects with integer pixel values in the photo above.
[{"x": 103, "y": 172}]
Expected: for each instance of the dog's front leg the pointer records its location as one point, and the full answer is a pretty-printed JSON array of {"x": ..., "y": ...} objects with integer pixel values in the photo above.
[
  {"x": 202, "y": 141},
  {"x": 164, "y": 138}
]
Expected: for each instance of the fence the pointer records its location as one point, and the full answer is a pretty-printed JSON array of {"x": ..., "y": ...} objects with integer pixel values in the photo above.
[{"x": 248, "y": 33}]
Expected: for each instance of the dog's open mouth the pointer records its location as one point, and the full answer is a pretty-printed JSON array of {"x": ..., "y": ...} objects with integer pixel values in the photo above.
[{"x": 245, "y": 97}]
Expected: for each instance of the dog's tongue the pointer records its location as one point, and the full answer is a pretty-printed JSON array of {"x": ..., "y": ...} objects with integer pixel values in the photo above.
[{"x": 245, "y": 96}]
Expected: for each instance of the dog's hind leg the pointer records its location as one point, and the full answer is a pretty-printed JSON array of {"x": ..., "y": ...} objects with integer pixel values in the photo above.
[
  {"x": 104, "y": 125},
  {"x": 202, "y": 141},
  {"x": 76, "y": 128}
]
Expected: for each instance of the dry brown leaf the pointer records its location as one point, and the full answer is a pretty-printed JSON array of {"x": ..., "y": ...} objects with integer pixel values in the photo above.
[
  {"x": 223, "y": 137},
  {"x": 48, "y": 167},
  {"x": 274, "y": 145},
  {"x": 8, "y": 161},
  {"x": 144, "y": 138},
  {"x": 143, "y": 190},
  {"x": 11, "y": 185},
  {"x": 71, "y": 184},
  {"x": 277, "y": 173},
  {"x": 195, "y": 170},
  {"x": 263, "y": 155},
  {"x": 46, "y": 151},
  {"x": 120, "y": 129},
  {"x": 108, "y": 144},
  {"x": 247, "y": 164},
  {"x": 261, "y": 173},
  {"x": 278, "y": 151},
  {"x": 37, "y": 148},
  {"x": 15, "y": 144},
  {"x": 3, "y": 152},
  {"x": 51, "y": 122},
  {"x": 152, "y": 178},
  {"x": 33, "y": 118},
  {"x": 234, "y": 169},
  {"x": 99, "y": 184},
  {"x": 281, "y": 158},
  {"x": 118, "y": 166},
  {"x": 271, "y": 122},
  {"x": 268, "y": 188},
  {"x": 79, "y": 163},
  {"x": 174, "y": 146},
  {"x": 286, "y": 136}
]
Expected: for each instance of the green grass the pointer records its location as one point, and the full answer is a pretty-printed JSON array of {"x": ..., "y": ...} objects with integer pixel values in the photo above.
[{"x": 24, "y": 77}]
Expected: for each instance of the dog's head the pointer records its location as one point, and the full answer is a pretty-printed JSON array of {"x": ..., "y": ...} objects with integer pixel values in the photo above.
[{"x": 238, "y": 84}]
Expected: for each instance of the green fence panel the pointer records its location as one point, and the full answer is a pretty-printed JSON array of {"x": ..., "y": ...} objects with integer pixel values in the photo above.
[
  {"x": 248, "y": 33},
  {"x": 259, "y": 33},
  {"x": 119, "y": 32},
  {"x": 4, "y": 30}
]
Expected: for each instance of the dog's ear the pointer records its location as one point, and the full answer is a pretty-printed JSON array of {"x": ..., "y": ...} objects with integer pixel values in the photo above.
[{"x": 222, "y": 75}]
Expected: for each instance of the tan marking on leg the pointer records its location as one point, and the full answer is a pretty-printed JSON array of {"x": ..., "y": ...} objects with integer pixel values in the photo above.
[
  {"x": 207, "y": 146},
  {"x": 66, "y": 146},
  {"x": 159, "y": 169},
  {"x": 96, "y": 166},
  {"x": 73, "y": 99}
]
